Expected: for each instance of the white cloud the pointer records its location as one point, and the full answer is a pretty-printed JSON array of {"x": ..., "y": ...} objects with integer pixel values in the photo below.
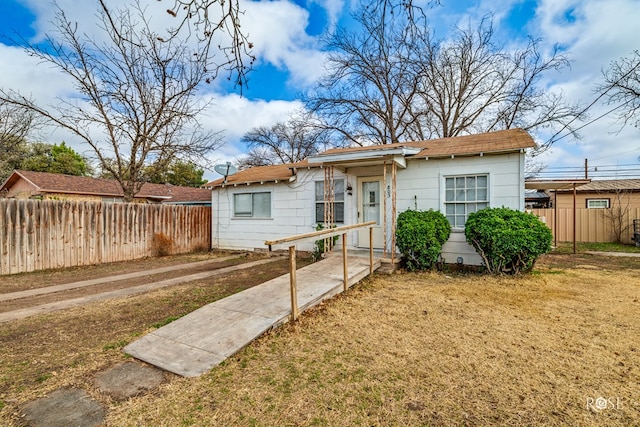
[
  {"x": 236, "y": 116},
  {"x": 25, "y": 74},
  {"x": 278, "y": 31},
  {"x": 593, "y": 33},
  {"x": 334, "y": 9}
]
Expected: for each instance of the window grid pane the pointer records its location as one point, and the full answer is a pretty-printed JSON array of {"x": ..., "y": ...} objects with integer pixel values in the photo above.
[
  {"x": 597, "y": 203},
  {"x": 463, "y": 195},
  {"x": 338, "y": 204}
]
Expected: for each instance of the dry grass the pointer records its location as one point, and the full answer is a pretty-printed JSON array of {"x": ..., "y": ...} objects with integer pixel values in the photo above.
[
  {"x": 427, "y": 349},
  {"x": 412, "y": 349},
  {"x": 62, "y": 349}
]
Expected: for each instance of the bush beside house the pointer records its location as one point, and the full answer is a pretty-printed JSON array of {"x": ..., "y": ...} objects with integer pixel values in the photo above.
[
  {"x": 420, "y": 236},
  {"x": 508, "y": 241}
]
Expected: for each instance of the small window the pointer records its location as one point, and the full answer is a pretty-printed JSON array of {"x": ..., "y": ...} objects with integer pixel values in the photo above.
[
  {"x": 338, "y": 198},
  {"x": 597, "y": 203},
  {"x": 252, "y": 205},
  {"x": 464, "y": 195}
]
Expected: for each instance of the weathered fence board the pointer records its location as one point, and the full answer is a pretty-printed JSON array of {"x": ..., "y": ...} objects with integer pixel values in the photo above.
[
  {"x": 592, "y": 225},
  {"x": 43, "y": 234}
]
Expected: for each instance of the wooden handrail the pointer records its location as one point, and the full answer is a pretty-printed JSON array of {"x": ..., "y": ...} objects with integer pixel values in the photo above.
[
  {"x": 315, "y": 236},
  {"x": 329, "y": 232}
]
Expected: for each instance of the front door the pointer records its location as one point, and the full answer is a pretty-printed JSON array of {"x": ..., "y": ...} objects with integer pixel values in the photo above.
[{"x": 370, "y": 191}]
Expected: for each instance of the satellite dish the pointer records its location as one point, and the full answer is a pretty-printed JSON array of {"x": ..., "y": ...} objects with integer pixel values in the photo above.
[{"x": 225, "y": 170}]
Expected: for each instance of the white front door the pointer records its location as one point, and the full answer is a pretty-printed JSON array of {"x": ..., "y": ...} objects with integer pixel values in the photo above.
[{"x": 370, "y": 192}]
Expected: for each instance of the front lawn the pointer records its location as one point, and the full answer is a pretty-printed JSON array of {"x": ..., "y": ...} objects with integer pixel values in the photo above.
[{"x": 558, "y": 347}]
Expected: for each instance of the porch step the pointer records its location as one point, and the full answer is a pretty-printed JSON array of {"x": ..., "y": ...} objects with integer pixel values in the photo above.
[{"x": 387, "y": 267}]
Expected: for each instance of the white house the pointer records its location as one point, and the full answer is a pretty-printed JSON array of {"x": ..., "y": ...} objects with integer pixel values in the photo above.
[{"x": 453, "y": 175}]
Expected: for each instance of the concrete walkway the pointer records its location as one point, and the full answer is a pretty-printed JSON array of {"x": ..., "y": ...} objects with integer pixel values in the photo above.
[
  {"x": 616, "y": 254},
  {"x": 22, "y": 313},
  {"x": 108, "y": 279},
  {"x": 195, "y": 343}
]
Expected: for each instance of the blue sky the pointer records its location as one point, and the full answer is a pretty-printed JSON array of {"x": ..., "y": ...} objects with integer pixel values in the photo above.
[{"x": 286, "y": 35}]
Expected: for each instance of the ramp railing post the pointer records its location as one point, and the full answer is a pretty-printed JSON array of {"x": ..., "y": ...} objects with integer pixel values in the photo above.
[
  {"x": 292, "y": 282},
  {"x": 345, "y": 268},
  {"x": 370, "y": 250}
]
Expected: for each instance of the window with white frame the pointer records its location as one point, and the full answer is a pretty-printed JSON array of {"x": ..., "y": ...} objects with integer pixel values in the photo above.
[
  {"x": 464, "y": 195},
  {"x": 252, "y": 205},
  {"x": 338, "y": 197},
  {"x": 597, "y": 203}
]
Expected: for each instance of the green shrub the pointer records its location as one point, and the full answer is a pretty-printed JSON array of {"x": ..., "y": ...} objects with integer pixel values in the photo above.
[
  {"x": 508, "y": 241},
  {"x": 420, "y": 236},
  {"x": 318, "y": 247}
]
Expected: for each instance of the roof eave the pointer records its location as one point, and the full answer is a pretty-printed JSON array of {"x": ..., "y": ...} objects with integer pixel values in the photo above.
[
  {"x": 248, "y": 183},
  {"x": 426, "y": 156},
  {"x": 554, "y": 184},
  {"x": 375, "y": 153}
]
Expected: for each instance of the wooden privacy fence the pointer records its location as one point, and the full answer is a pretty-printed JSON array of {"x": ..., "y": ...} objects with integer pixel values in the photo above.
[
  {"x": 592, "y": 225},
  {"x": 43, "y": 234}
]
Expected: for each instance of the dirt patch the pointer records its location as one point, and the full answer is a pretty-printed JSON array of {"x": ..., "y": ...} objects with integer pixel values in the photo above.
[
  {"x": 562, "y": 260},
  {"x": 115, "y": 285}
]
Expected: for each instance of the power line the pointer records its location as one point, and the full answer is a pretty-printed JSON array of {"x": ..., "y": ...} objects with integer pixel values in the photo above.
[
  {"x": 626, "y": 171},
  {"x": 611, "y": 86},
  {"x": 589, "y": 122}
]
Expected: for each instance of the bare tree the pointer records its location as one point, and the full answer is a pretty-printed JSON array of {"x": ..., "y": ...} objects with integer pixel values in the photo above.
[
  {"x": 135, "y": 102},
  {"x": 617, "y": 214},
  {"x": 215, "y": 23},
  {"x": 16, "y": 124},
  {"x": 286, "y": 142},
  {"x": 392, "y": 81},
  {"x": 469, "y": 84},
  {"x": 622, "y": 86},
  {"x": 368, "y": 89}
]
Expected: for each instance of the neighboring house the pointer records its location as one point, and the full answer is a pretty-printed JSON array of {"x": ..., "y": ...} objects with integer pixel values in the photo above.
[
  {"x": 453, "y": 175},
  {"x": 51, "y": 186},
  {"x": 536, "y": 199},
  {"x": 601, "y": 194}
]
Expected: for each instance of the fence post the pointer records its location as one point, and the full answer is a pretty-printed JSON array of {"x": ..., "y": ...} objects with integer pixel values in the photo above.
[
  {"x": 292, "y": 282},
  {"x": 345, "y": 268}
]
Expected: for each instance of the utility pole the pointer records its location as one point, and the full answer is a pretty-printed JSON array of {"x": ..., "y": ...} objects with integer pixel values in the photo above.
[{"x": 586, "y": 169}]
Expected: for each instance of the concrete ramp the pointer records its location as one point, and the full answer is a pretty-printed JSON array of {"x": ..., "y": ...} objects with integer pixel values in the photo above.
[{"x": 195, "y": 343}]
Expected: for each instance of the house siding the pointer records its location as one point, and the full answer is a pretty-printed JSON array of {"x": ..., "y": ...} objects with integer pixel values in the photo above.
[
  {"x": 292, "y": 212},
  {"x": 22, "y": 189},
  {"x": 624, "y": 199},
  {"x": 418, "y": 187}
]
